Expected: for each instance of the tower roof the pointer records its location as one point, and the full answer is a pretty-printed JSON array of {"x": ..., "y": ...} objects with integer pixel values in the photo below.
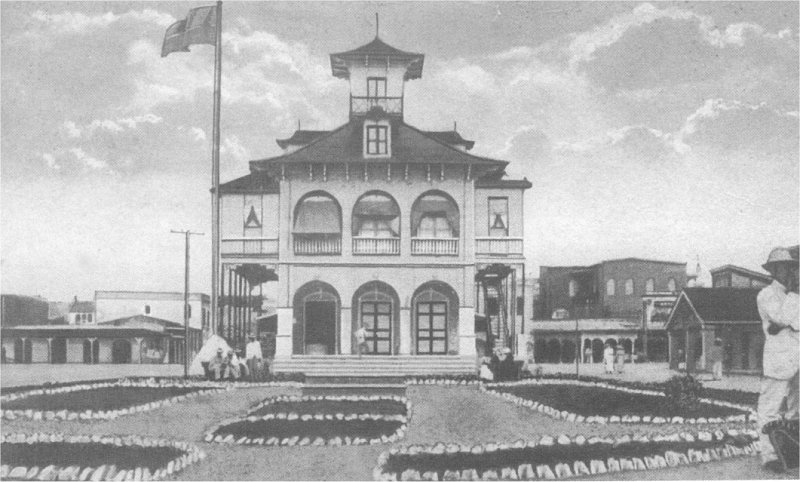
[{"x": 380, "y": 51}]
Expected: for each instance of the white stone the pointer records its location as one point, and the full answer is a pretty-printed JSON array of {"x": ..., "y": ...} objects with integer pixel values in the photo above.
[
  {"x": 508, "y": 473},
  {"x": 597, "y": 467},
  {"x": 545, "y": 472},
  {"x": 18, "y": 473},
  {"x": 490, "y": 475},
  {"x": 612, "y": 464},
  {"x": 563, "y": 471}
]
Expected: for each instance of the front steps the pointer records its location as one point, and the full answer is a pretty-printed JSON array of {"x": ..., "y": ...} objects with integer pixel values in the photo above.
[
  {"x": 372, "y": 366},
  {"x": 347, "y": 385}
]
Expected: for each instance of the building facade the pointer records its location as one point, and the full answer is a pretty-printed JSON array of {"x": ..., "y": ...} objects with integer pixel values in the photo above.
[
  {"x": 22, "y": 310},
  {"x": 376, "y": 224},
  {"x": 620, "y": 301},
  {"x": 165, "y": 305}
]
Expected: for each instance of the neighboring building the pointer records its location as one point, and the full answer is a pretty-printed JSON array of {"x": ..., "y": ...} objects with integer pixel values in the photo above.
[
  {"x": 703, "y": 314},
  {"x": 137, "y": 339},
  {"x": 730, "y": 276},
  {"x": 22, "y": 310},
  {"x": 612, "y": 301},
  {"x": 111, "y": 305},
  {"x": 377, "y": 224},
  {"x": 81, "y": 313},
  {"x": 58, "y": 312}
]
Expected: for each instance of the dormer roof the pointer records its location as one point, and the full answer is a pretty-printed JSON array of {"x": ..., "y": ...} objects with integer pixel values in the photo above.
[{"x": 379, "y": 51}]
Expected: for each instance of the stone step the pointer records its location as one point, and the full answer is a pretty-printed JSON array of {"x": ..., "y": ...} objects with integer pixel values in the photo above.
[
  {"x": 349, "y": 379},
  {"x": 354, "y": 389}
]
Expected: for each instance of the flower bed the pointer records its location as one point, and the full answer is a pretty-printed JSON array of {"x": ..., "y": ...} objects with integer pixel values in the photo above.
[
  {"x": 103, "y": 400},
  {"x": 317, "y": 420},
  {"x": 45, "y": 456},
  {"x": 561, "y": 457},
  {"x": 578, "y": 401}
]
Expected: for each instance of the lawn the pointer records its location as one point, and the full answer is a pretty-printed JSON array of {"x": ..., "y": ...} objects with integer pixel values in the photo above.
[
  {"x": 332, "y": 407},
  {"x": 588, "y": 401},
  {"x": 98, "y": 399},
  {"x": 311, "y": 429},
  {"x": 42, "y": 454}
]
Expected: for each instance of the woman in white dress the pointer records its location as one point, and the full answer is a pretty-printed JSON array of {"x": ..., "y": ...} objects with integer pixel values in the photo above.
[{"x": 608, "y": 358}]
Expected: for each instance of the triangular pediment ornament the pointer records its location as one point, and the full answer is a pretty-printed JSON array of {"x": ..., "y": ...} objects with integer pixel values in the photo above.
[
  {"x": 252, "y": 219},
  {"x": 498, "y": 222}
]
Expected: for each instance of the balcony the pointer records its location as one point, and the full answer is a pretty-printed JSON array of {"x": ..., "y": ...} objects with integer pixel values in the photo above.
[
  {"x": 368, "y": 245},
  {"x": 435, "y": 246},
  {"x": 498, "y": 246},
  {"x": 249, "y": 247},
  {"x": 315, "y": 244},
  {"x": 362, "y": 105}
]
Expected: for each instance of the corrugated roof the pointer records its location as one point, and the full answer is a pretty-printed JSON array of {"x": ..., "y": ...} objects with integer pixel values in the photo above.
[
  {"x": 723, "y": 304},
  {"x": 409, "y": 145}
]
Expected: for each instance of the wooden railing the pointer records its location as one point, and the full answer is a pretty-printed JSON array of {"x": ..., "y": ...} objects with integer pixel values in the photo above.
[
  {"x": 317, "y": 244},
  {"x": 362, "y": 105},
  {"x": 435, "y": 246},
  {"x": 498, "y": 246},
  {"x": 366, "y": 245},
  {"x": 249, "y": 246}
]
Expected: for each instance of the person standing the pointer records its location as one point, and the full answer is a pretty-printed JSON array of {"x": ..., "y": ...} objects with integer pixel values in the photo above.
[
  {"x": 608, "y": 358},
  {"x": 620, "y": 358},
  {"x": 254, "y": 356},
  {"x": 361, "y": 340},
  {"x": 587, "y": 355},
  {"x": 778, "y": 309},
  {"x": 717, "y": 354}
]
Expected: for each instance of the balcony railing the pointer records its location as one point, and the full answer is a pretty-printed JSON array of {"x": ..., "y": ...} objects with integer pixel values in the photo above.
[
  {"x": 366, "y": 245},
  {"x": 249, "y": 246},
  {"x": 435, "y": 246},
  {"x": 317, "y": 244},
  {"x": 362, "y": 105},
  {"x": 498, "y": 246}
]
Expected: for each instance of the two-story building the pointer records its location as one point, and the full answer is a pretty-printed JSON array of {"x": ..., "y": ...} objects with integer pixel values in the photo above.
[
  {"x": 375, "y": 223},
  {"x": 612, "y": 301}
]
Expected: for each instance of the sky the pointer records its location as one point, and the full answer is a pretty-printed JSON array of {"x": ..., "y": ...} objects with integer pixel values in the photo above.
[{"x": 655, "y": 130}]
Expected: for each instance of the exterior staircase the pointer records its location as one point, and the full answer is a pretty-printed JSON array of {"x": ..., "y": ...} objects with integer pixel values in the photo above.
[{"x": 375, "y": 366}]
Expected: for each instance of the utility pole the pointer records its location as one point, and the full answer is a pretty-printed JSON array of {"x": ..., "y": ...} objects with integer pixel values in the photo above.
[{"x": 186, "y": 234}]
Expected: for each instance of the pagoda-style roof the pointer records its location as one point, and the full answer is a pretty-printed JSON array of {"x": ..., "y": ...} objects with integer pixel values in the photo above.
[
  {"x": 300, "y": 138},
  {"x": 379, "y": 51},
  {"x": 409, "y": 145},
  {"x": 452, "y": 138}
]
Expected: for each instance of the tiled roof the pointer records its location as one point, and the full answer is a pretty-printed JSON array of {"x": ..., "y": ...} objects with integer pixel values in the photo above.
[
  {"x": 254, "y": 182},
  {"x": 300, "y": 138},
  {"x": 723, "y": 304},
  {"x": 82, "y": 307},
  {"x": 378, "y": 49},
  {"x": 408, "y": 145}
]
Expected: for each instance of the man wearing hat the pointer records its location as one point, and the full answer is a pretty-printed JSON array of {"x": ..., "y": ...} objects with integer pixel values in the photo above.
[
  {"x": 215, "y": 366},
  {"x": 778, "y": 308}
]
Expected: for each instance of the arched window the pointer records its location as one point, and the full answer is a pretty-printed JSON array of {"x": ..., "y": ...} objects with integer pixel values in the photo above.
[
  {"x": 610, "y": 287},
  {"x": 434, "y": 215},
  {"x": 146, "y": 309},
  {"x": 671, "y": 284},
  {"x": 649, "y": 286},
  {"x": 317, "y": 225},
  {"x": 376, "y": 224},
  {"x": 573, "y": 288},
  {"x": 628, "y": 286}
]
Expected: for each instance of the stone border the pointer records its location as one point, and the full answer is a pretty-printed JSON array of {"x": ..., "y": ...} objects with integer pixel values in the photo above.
[
  {"x": 209, "y": 388},
  {"x": 578, "y": 468},
  {"x": 749, "y": 416},
  {"x": 191, "y": 454},
  {"x": 296, "y": 440}
]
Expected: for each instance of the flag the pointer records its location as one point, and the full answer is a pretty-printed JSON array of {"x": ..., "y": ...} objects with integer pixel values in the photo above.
[{"x": 199, "y": 27}]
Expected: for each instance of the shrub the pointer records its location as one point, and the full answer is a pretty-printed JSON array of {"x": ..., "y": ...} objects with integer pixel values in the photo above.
[{"x": 683, "y": 393}]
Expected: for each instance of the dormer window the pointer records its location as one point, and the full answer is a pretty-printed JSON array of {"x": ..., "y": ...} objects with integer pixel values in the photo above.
[
  {"x": 376, "y": 87},
  {"x": 376, "y": 139}
]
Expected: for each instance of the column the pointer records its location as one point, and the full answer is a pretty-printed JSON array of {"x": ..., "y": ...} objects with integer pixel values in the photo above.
[
  {"x": 136, "y": 352},
  {"x": 283, "y": 339},
  {"x": 466, "y": 331},
  {"x": 345, "y": 331},
  {"x": 405, "y": 330},
  {"x": 49, "y": 350}
]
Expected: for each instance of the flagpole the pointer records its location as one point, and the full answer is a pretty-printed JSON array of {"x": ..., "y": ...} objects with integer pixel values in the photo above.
[{"x": 215, "y": 174}]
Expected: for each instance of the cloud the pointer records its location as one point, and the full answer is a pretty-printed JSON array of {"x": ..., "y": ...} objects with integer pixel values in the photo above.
[
  {"x": 87, "y": 160},
  {"x": 71, "y": 130},
  {"x": 80, "y": 23},
  {"x": 612, "y": 138},
  {"x": 51, "y": 161},
  {"x": 198, "y": 133},
  {"x": 233, "y": 147}
]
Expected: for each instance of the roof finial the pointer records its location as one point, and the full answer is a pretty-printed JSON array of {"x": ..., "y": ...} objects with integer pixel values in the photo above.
[
  {"x": 455, "y": 126},
  {"x": 377, "y": 25},
  {"x": 298, "y": 124}
]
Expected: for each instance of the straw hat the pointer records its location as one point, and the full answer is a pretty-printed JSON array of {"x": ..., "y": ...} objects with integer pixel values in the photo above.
[{"x": 778, "y": 255}]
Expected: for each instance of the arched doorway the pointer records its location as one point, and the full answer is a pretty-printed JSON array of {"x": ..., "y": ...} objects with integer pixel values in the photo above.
[
  {"x": 121, "y": 351},
  {"x": 597, "y": 350},
  {"x": 376, "y": 307},
  {"x": 435, "y": 312},
  {"x": 568, "y": 351},
  {"x": 612, "y": 342},
  {"x": 316, "y": 309},
  {"x": 91, "y": 351},
  {"x": 627, "y": 345},
  {"x": 58, "y": 350},
  {"x": 553, "y": 350}
]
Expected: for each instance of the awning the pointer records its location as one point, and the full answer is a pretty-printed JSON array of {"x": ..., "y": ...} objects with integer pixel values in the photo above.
[{"x": 318, "y": 215}]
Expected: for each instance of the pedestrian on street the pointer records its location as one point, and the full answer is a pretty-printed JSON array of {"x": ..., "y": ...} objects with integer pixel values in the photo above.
[
  {"x": 608, "y": 358},
  {"x": 717, "y": 353},
  {"x": 587, "y": 355},
  {"x": 778, "y": 308}
]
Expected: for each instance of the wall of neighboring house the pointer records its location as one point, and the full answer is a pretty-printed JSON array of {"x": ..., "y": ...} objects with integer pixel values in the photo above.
[
  {"x": 22, "y": 310},
  {"x": 623, "y": 305},
  {"x": 109, "y": 308}
]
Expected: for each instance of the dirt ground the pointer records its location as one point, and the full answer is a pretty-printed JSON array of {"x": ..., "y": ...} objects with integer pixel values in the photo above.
[{"x": 448, "y": 414}]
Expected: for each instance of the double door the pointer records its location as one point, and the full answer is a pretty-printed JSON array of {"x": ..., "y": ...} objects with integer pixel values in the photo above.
[{"x": 376, "y": 318}]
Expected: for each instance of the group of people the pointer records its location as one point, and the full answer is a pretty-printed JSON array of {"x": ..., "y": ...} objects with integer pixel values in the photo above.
[
  {"x": 778, "y": 308},
  {"x": 231, "y": 367},
  {"x": 613, "y": 359},
  {"x": 500, "y": 367}
]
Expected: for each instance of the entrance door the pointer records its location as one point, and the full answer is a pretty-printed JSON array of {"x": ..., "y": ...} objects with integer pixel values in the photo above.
[
  {"x": 320, "y": 319},
  {"x": 432, "y": 328},
  {"x": 58, "y": 350},
  {"x": 121, "y": 351},
  {"x": 376, "y": 318}
]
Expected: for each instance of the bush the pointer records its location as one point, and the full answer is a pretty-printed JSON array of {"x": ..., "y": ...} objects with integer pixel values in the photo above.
[{"x": 683, "y": 393}]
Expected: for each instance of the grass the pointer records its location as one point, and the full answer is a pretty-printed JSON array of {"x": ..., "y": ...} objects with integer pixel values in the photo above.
[
  {"x": 332, "y": 407},
  {"x": 589, "y": 401},
  {"x": 42, "y": 454},
  {"x": 99, "y": 399},
  {"x": 327, "y": 429}
]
